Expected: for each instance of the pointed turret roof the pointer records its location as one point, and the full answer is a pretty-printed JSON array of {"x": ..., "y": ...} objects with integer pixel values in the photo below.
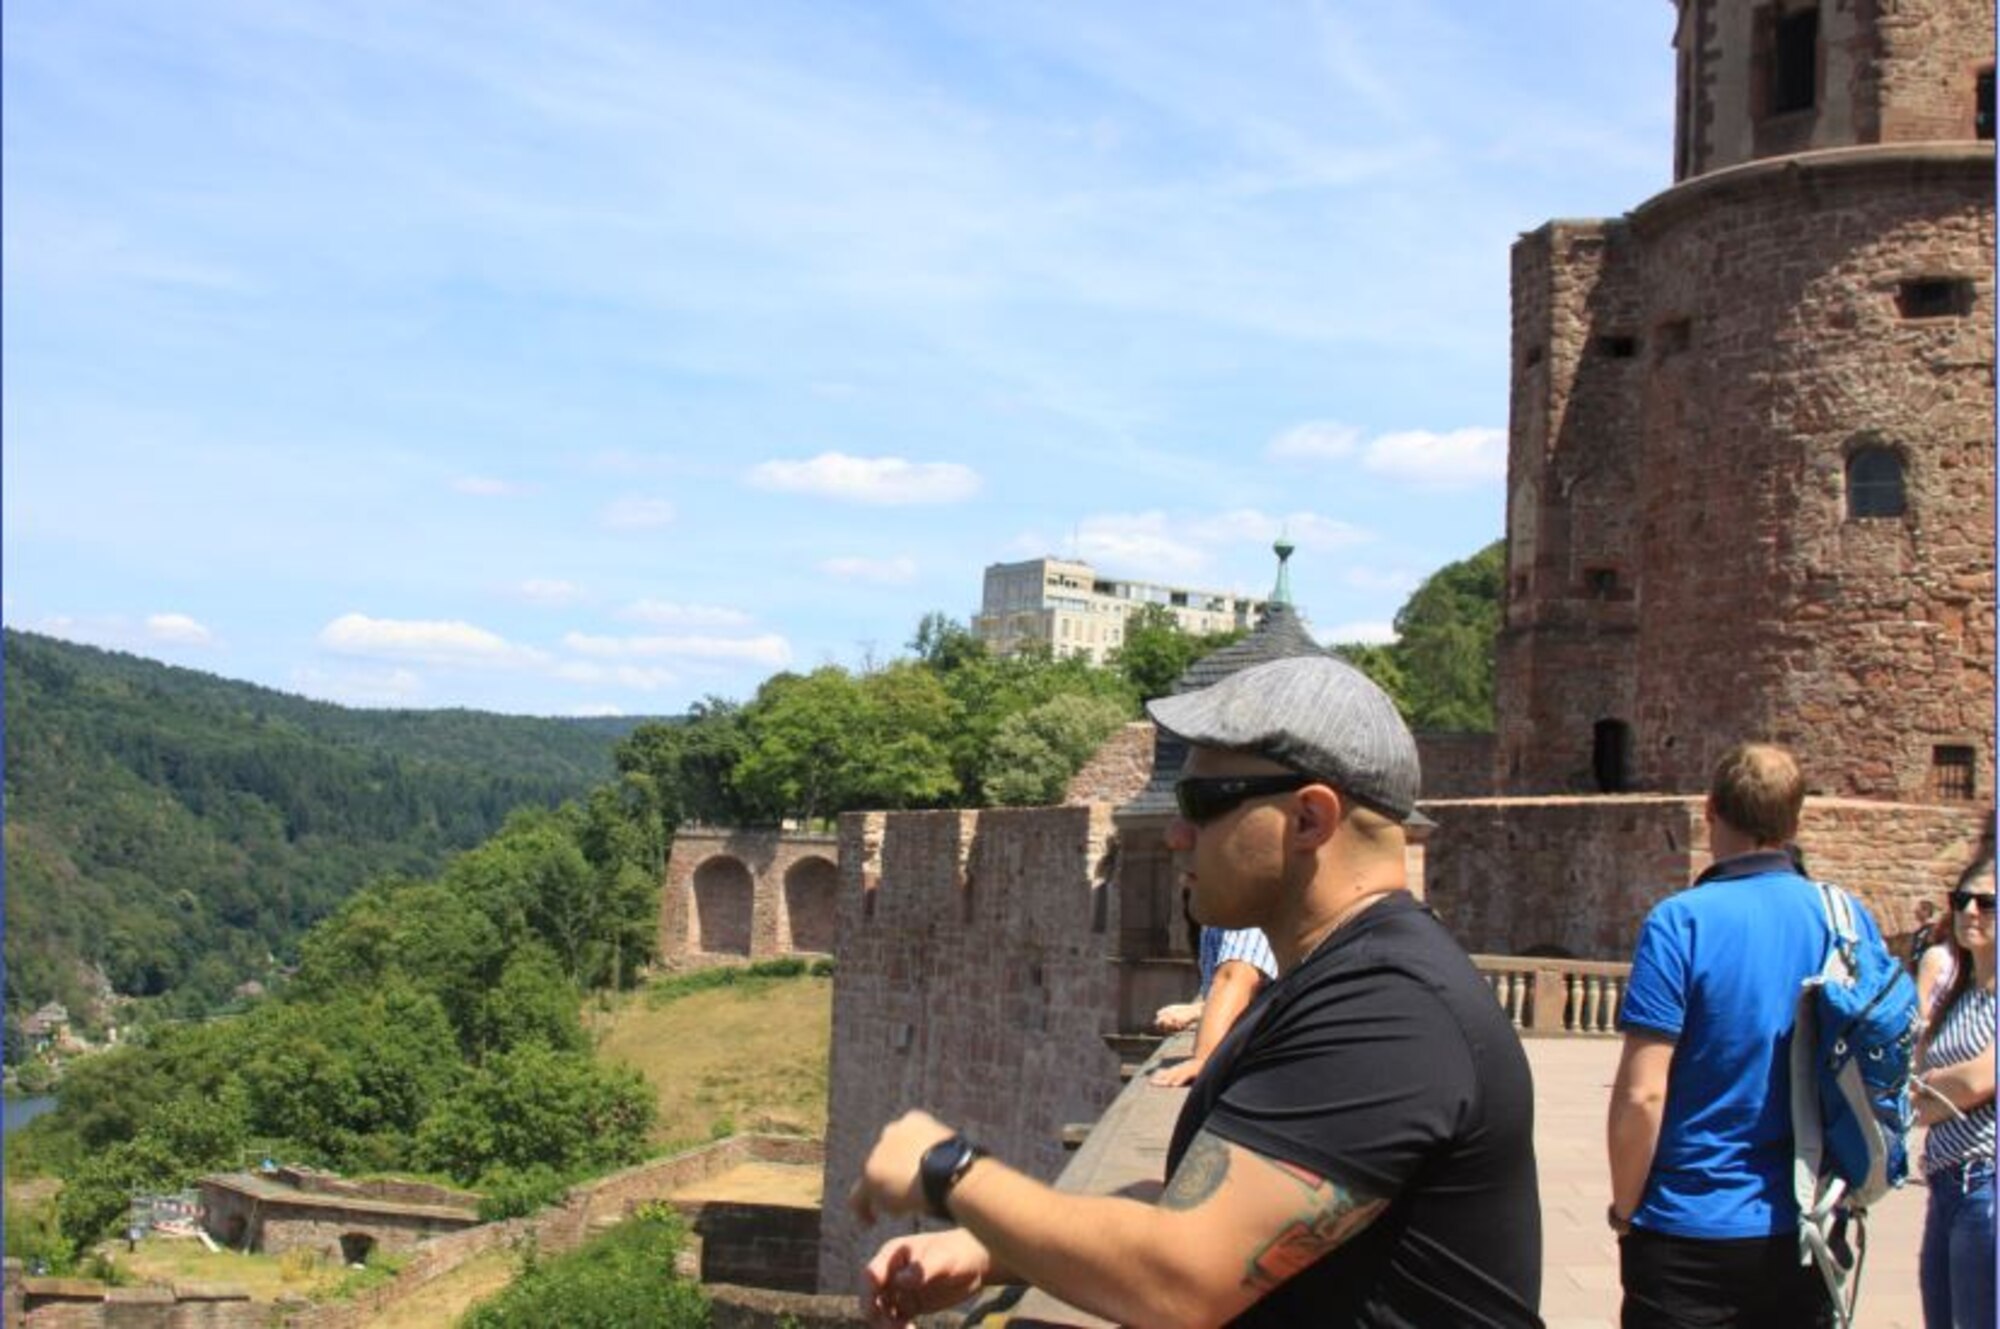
[{"x": 1281, "y": 634}]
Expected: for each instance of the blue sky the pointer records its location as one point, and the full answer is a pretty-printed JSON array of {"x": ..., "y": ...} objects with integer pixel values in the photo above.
[{"x": 593, "y": 357}]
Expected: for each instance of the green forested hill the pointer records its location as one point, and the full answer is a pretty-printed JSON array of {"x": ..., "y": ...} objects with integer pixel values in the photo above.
[{"x": 177, "y": 829}]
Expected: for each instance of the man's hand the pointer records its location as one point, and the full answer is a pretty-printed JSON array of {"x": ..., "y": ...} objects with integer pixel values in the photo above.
[
  {"x": 1173, "y": 1019},
  {"x": 1178, "y": 1075},
  {"x": 917, "y": 1275},
  {"x": 889, "y": 1183}
]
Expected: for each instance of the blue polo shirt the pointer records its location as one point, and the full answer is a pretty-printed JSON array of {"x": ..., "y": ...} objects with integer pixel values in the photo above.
[{"x": 1717, "y": 970}]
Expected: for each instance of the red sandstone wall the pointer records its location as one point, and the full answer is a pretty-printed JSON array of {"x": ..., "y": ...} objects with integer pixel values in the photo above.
[
  {"x": 1564, "y": 655},
  {"x": 972, "y": 982},
  {"x": 1513, "y": 875},
  {"x": 1888, "y": 71},
  {"x": 1117, "y": 772},
  {"x": 1456, "y": 765},
  {"x": 1767, "y": 612},
  {"x": 762, "y": 893},
  {"x": 1770, "y": 346}
]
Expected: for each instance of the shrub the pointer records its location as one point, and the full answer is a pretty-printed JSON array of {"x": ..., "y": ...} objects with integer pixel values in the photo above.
[{"x": 622, "y": 1280}]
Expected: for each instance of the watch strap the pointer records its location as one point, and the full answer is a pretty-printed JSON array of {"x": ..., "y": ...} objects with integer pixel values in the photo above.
[{"x": 942, "y": 1167}]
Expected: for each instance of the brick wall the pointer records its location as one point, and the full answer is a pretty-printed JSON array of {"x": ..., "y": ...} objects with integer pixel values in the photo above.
[
  {"x": 973, "y": 983},
  {"x": 1456, "y": 765},
  {"x": 1885, "y": 73},
  {"x": 1744, "y": 601},
  {"x": 736, "y": 894},
  {"x": 1117, "y": 771},
  {"x": 1577, "y": 875},
  {"x": 762, "y": 1245}
]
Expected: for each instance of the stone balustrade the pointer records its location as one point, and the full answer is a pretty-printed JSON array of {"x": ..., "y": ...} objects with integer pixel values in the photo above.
[{"x": 1551, "y": 996}]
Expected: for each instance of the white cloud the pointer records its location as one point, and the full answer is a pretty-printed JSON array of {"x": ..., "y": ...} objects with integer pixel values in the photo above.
[
  {"x": 882, "y": 571},
  {"x": 1453, "y": 459},
  {"x": 1460, "y": 458},
  {"x": 178, "y": 630},
  {"x": 549, "y": 591},
  {"x": 1308, "y": 530},
  {"x": 1154, "y": 546},
  {"x": 426, "y": 641},
  {"x": 633, "y": 513},
  {"x": 485, "y": 486},
  {"x": 595, "y": 710},
  {"x": 891, "y": 481},
  {"x": 1314, "y": 440},
  {"x": 1366, "y": 632},
  {"x": 1140, "y": 544},
  {"x": 666, "y": 613},
  {"x": 641, "y": 678},
  {"x": 768, "y": 649}
]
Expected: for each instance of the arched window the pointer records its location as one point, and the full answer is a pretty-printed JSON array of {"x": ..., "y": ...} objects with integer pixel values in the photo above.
[{"x": 1874, "y": 483}]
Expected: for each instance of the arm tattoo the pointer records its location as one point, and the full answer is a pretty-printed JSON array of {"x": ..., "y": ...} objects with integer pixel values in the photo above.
[
  {"x": 1200, "y": 1174},
  {"x": 1329, "y": 1214}
]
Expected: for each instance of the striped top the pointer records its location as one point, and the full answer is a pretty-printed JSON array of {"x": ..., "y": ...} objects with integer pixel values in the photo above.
[
  {"x": 1246, "y": 944},
  {"x": 1967, "y": 1029}
]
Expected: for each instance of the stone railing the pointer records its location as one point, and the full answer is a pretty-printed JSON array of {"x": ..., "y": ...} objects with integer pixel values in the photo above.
[{"x": 1543, "y": 995}]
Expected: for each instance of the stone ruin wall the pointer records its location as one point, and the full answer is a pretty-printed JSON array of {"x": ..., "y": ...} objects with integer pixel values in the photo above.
[
  {"x": 1859, "y": 643},
  {"x": 1456, "y": 765},
  {"x": 733, "y": 895},
  {"x": 1890, "y": 73},
  {"x": 1118, "y": 771},
  {"x": 1766, "y": 345},
  {"x": 1514, "y": 875},
  {"x": 1563, "y": 655},
  {"x": 973, "y": 982}
]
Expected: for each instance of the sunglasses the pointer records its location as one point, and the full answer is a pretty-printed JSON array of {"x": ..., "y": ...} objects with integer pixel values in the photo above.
[
  {"x": 1980, "y": 900},
  {"x": 1203, "y": 798}
]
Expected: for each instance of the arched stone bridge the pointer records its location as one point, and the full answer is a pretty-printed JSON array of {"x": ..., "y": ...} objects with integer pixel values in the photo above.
[{"x": 748, "y": 894}]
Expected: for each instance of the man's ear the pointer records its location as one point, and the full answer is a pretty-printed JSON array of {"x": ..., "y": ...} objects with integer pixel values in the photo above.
[{"x": 1320, "y": 810}]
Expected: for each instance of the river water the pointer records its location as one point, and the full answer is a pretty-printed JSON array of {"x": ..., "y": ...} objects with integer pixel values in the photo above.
[{"x": 16, "y": 1112}]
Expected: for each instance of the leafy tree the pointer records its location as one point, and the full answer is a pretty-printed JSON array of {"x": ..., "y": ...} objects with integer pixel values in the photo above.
[
  {"x": 901, "y": 755},
  {"x": 1445, "y": 643},
  {"x": 1157, "y": 650},
  {"x": 987, "y": 691},
  {"x": 800, "y": 730},
  {"x": 177, "y": 831},
  {"x": 623, "y": 1279},
  {"x": 944, "y": 645},
  {"x": 1379, "y": 662},
  {"x": 535, "y": 1106},
  {"x": 691, "y": 763},
  {"x": 1035, "y": 752}
]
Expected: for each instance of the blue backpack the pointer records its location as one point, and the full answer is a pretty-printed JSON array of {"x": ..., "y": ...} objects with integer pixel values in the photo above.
[{"x": 1857, "y": 1027}]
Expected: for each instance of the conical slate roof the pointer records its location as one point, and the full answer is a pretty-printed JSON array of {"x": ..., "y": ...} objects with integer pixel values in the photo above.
[{"x": 1280, "y": 635}]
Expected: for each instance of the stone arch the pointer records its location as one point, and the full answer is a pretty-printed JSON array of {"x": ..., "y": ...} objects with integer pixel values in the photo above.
[
  {"x": 724, "y": 900},
  {"x": 356, "y": 1247},
  {"x": 812, "y": 889}
]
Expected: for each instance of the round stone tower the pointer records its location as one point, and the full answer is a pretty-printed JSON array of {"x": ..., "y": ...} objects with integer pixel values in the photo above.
[{"x": 1752, "y": 434}]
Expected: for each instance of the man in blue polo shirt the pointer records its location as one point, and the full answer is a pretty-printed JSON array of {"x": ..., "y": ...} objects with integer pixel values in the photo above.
[{"x": 1700, "y": 1128}]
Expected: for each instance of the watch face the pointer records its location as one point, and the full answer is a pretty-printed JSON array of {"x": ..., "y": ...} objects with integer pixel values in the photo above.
[{"x": 939, "y": 1169}]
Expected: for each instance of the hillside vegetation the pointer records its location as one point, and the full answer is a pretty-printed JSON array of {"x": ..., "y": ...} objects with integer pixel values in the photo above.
[{"x": 178, "y": 830}]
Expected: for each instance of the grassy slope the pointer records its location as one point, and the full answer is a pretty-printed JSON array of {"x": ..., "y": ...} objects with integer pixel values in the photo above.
[{"x": 748, "y": 1057}]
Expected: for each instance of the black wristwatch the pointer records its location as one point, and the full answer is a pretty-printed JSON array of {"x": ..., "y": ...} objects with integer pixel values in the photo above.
[{"x": 942, "y": 1167}]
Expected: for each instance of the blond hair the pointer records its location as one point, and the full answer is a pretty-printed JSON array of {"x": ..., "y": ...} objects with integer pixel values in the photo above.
[{"x": 1758, "y": 789}]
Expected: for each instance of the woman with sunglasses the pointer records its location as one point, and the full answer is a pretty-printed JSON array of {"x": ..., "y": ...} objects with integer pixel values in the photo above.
[{"x": 1954, "y": 1098}]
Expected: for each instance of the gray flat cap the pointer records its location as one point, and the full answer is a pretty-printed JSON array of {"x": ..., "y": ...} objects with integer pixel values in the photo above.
[{"x": 1316, "y": 714}]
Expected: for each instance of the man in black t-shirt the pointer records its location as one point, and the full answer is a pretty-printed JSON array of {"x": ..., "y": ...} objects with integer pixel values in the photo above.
[{"x": 1359, "y": 1150}]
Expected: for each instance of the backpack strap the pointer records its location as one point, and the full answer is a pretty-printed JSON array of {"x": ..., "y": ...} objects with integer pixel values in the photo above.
[{"x": 1813, "y": 1192}]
